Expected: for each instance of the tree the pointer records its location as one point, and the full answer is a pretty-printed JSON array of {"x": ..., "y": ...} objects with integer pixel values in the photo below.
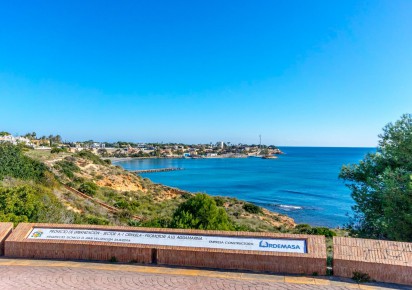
[
  {"x": 201, "y": 212},
  {"x": 58, "y": 139},
  {"x": 381, "y": 186},
  {"x": 31, "y": 135}
]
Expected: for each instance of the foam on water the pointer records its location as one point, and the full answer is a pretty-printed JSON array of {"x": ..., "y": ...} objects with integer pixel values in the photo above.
[{"x": 289, "y": 207}]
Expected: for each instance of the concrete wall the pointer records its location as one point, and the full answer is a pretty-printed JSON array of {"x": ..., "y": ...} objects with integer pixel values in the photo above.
[
  {"x": 17, "y": 245},
  {"x": 384, "y": 261},
  {"x": 314, "y": 261},
  {"x": 5, "y": 230},
  {"x": 236, "y": 260}
]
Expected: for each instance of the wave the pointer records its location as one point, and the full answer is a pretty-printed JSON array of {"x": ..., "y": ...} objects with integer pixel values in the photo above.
[{"x": 289, "y": 207}]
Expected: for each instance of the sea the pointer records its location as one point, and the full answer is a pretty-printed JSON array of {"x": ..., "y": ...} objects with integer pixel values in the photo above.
[{"x": 303, "y": 183}]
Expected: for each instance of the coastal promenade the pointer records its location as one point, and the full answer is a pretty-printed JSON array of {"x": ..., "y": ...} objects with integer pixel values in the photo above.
[{"x": 45, "y": 274}]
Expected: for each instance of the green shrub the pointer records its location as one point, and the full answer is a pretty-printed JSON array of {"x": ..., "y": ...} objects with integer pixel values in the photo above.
[
  {"x": 122, "y": 204},
  {"x": 243, "y": 228},
  {"x": 157, "y": 223},
  {"x": 30, "y": 203},
  {"x": 57, "y": 150},
  {"x": 88, "y": 188},
  {"x": 94, "y": 220},
  {"x": 236, "y": 214},
  {"x": 134, "y": 223},
  {"x": 252, "y": 208},
  {"x": 185, "y": 195},
  {"x": 201, "y": 212},
  {"x": 323, "y": 231},
  {"x": 329, "y": 261},
  {"x": 86, "y": 154},
  {"x": 67, "y": 167},
  {"x": 77, "y": 179},
  {"x": 307, "y": 229},
  {"x": 14, "y": 163},
  {"x": 220, "y": 201},
  {"x": 124, "y": 215},
  {"x": 361, "y": 277}
]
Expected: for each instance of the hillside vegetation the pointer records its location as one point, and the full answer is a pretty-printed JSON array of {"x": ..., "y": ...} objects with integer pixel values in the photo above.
[{"x": 33, "y": 188}]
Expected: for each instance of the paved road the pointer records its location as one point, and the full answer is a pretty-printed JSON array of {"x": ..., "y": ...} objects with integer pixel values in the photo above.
[{"x": 42, "y": 274}]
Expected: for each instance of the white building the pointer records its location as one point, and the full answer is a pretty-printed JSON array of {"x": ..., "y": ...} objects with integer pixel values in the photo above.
[{"x": 16, "y": 140}]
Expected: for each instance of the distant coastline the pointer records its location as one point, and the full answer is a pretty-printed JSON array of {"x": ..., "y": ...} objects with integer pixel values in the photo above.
[{"x": 121, "y": 159}]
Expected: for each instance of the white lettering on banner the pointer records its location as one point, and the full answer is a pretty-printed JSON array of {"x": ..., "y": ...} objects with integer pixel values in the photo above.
[{"x": 166, "y": 239}]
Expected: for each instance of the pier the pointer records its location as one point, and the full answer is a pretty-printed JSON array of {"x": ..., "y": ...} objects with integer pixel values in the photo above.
[{"x": 156, "y": 170}]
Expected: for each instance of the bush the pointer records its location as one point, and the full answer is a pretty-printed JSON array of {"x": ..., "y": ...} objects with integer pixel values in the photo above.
[
  {"x": 88, "y": 188},
  {"x": 28, "y": 203},
  {"x": 86, "y": 154},
  {"x": 220, "y": 201},
  {"x": 122, "y": 204},
  {"x": 134, "y": 223},
  {"x": 67, "y": 167},
  {"x": 13, "y": 163},
  {"x": 157, "y": 223},
  {"x": 94, "y": 220},
  {"x": 243, "y": 228},
  {"x": 185, "y": 195},
  {"x": 361, "y": 277},
  {"x": 307, "y": 229},
  {"x": 252, "y": 208},
  {"x": 323, "y": 231},
  {"x": 201, "y": 212},
  {"x": 57, "y": 150}
]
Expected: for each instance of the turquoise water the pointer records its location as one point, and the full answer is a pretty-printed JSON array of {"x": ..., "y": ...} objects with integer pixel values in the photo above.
[{"x": 303, "y": 183}]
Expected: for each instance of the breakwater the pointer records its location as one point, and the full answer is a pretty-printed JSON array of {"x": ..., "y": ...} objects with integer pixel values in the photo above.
[{"x": 156, "y": 170}]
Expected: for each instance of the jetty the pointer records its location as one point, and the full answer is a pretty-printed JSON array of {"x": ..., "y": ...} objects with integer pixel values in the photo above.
[{"x": 156, "y": 170}]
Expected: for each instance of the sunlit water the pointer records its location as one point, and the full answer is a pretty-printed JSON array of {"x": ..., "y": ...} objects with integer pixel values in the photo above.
[{"x": 303, "y": 183}]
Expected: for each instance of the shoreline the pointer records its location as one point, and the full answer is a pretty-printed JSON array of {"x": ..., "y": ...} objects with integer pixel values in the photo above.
[{"x": 120, "y": 159}]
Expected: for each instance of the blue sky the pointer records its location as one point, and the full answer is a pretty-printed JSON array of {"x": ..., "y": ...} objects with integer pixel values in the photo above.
[{"x": 305, "y": 73}]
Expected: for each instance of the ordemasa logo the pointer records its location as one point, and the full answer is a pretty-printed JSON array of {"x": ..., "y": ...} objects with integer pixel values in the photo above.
[{"x": 265, "y": 244}]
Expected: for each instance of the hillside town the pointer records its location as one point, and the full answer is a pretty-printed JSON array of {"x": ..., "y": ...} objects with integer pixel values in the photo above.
[{"x": 122, "y": 149}]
